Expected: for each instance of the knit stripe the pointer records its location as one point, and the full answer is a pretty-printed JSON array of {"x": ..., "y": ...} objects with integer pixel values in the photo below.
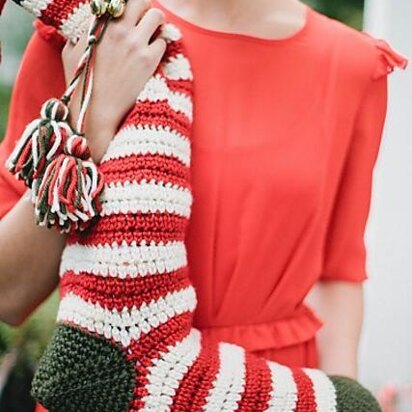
[
  {"x": 306, "y": 397},
  {"x": 325, "y": 393},
  {"x": 148, "y": 227},
  {"x": 180, "y": 86},
  {"x": 150, "y": 347},
  {"x": 230, "y": 381},
  {"x": 197, "y": 383},
  {"x": 149, "y": 139},
  {"x": 35, "y": 6},
  {"x": 157, "y": 114},
  {"x": 171, "y": 32},
  {"x": 156, "y": 89},
  {"x": 178, "y": 68},
  {"x": 165, "y": 376},
  {"x": 76, "y": 23},
  {"x": 132, "y": 197},
  {"x": 135, "y": 260},
  {"x": 258, "y": 385},
  {"x": 284, "y": 393},
  {"x": 127, "y": 325},
  {"x": 174, "y": 48},
  {"x": 114, "y": 293},
  {"x": 149, "y": 167}
]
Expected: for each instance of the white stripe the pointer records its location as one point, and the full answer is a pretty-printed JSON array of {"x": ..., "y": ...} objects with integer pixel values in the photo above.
[
  {"x": 178, "y": 68},
  {"x": 129, "y": 324},
  {"x": 77, "y": 22},
  {"x": 123, "y": 261},
  {"x": 134, "y": 197},
  {"x": 168, "y": 371},
  {"x": 156, "y": 89},
  {"x": 284, "y": 393},
  {"x": 229, "y": 384},
  {"x": 141, "y": 140},
  {"x": 35, "y": 6},
  {"x": 325, "y": 393},
  {"x": 170, "y": 32}
]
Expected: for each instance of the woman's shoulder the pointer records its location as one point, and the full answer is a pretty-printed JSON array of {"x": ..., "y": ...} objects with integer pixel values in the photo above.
[{"x": 357, "y": 52}]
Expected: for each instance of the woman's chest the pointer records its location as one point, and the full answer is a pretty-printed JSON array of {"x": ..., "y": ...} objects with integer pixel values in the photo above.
[{"x": 260, "y": 140}]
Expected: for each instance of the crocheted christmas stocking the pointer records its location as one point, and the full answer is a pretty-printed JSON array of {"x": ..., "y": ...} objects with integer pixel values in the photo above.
[{"x": 124, "y": 340}]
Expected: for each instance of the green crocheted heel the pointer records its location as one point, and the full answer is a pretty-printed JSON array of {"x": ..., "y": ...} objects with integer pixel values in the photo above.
[
  {"x": 82, "y": 372},
  {"x": 353, "y": 397}
]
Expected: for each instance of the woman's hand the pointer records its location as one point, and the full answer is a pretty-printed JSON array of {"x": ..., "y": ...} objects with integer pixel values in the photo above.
[{"x": 125, "y": 59}]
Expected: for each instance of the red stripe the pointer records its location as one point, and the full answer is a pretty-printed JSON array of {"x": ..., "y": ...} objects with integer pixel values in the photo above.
[
  {"x": 136, "y": 167},
  {"x": 173, "y": 49},
  {"x": 180, "y": 86},
  {"x": 132, "y": 227},
  {"x": 258, "y": 385},
  {"x": 306, "y": 396},
  {"x": 58, "y": 11},
  {"x": 158, "y": 114},
  {"x": 113, "y": 293},
  {"x": 196, "y": 384},
  {"x": 150, "y": 347}
]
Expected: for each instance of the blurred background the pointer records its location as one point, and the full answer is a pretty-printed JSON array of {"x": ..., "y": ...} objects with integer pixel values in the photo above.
[{"x": 386, "y": 347}]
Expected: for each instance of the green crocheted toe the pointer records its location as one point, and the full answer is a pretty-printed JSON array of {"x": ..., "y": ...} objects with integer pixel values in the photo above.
[
  {"x": 80, "y": 372},
  {"x": 353, "y": 397}
]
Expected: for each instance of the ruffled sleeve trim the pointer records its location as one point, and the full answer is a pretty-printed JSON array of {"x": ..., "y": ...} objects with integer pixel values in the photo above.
[
  {"x": 49, "y": 33},
  {"x": 277, "y": 334},
  {"x": 388, "y": 59}
]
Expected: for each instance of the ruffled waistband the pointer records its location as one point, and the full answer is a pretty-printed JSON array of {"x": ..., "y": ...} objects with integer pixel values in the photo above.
[{"x": 277, "y": 334}]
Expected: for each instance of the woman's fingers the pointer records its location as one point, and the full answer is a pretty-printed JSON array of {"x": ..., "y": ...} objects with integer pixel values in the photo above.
[
  {"x": 71, "y": 55},
  {"x": 158, "y": 48},
  {"x": 133, "y": 12},
  {"x": 148, "y": 25}
]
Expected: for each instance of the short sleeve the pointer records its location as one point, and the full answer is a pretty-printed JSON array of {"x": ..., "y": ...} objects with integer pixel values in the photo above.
[
  {"x": 40, "y": 77},
  {"x": 345, "y": 251}
]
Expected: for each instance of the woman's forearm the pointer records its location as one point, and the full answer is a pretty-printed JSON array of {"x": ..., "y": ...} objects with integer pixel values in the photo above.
[
  {"x": 340, "y": 305},
  {"x": 29, "y": 262}
]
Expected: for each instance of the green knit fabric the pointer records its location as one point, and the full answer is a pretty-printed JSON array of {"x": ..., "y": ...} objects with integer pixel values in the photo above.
[
  {"x": 352, "y": 397},
  {"x": 81, "y": 372}
]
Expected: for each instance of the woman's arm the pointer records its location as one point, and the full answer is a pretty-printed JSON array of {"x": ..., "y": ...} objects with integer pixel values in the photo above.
[
  {"x": 340, "y": 306},
  {"x": 338, "y": 295},
  {"x": 29, "y": 260}
]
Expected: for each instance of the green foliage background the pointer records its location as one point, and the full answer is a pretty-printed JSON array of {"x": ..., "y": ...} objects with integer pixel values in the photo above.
[{"x": 30, "y": 339}]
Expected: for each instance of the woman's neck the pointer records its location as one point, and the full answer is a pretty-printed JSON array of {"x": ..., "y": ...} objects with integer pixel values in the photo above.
[{"x": 262, "y": 18}]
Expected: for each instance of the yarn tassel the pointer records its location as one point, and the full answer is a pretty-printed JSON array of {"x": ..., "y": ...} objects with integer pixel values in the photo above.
[
  {"x": 68, "y": 195},
  {"x": 42, "y": 140},
  {"x": 53, "y": 158}
]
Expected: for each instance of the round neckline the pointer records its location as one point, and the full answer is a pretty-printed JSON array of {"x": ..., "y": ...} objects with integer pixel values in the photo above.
[{"x": 239, "y": 36}]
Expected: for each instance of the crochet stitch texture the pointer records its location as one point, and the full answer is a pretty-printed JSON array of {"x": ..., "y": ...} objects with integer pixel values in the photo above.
[{"x": 124, "y": 340}]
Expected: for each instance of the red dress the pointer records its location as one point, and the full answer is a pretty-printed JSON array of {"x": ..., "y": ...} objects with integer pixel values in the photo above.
[{"x": 286, "y": 135}]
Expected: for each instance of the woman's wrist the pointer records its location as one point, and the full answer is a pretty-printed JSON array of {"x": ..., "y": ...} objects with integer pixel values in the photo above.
[
  {"x": 340, "y": 305},
  {"x": 99, "y": 142},
  {"x": 98, "y": 129}
]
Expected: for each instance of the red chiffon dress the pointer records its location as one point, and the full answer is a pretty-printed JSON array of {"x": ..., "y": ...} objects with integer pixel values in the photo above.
[{"x": 286, "y": 135}]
